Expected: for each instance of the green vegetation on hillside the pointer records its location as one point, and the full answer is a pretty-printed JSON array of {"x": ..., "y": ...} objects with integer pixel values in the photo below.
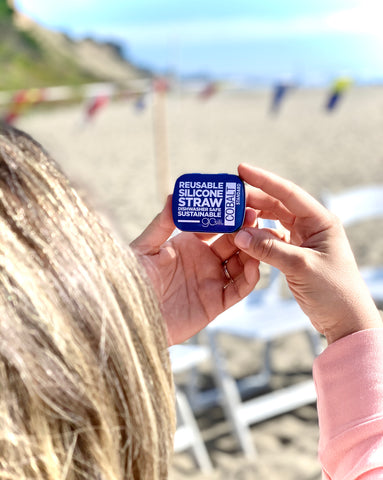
[
  {"x": 26, "y": 63},
  {"x": 5, "y": 10}
]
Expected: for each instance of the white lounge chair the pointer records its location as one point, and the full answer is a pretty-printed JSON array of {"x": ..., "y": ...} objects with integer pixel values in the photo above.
[
  {"x": 263, "y": 316},
  {"x": 353, "y": 206},
  {"x": 185, "y": 358}
]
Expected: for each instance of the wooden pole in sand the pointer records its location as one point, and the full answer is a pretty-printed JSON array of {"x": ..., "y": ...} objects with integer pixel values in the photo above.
[{"x": 160, "y": 138}]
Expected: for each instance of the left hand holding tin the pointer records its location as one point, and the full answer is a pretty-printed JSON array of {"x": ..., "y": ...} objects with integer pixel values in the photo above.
[{"x": 196, "y": 277}]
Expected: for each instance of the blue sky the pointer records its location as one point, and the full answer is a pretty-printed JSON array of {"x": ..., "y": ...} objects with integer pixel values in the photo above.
[{"x": 312, "y": 40}]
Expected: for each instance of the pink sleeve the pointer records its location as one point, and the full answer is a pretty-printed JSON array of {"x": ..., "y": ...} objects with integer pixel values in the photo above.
[{"x": 348, "y": 377}]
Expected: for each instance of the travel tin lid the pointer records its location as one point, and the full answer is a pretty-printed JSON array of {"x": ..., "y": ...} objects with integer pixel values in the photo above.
[{"x": 209, "y": 203}]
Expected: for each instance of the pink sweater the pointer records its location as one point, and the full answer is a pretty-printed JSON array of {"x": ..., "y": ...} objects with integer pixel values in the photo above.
[{"x": 349, "y": 380}]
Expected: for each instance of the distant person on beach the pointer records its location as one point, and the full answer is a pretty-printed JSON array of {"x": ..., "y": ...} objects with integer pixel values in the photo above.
[{"x": 86, "y": 385}]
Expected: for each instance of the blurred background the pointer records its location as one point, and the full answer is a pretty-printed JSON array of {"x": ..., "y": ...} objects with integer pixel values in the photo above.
[
  {"x": 129, "y": 95},
  {"x": 245, "y": 41}
]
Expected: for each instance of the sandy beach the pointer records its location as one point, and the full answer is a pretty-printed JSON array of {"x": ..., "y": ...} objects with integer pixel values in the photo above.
[{"x": 112, "y": 161}]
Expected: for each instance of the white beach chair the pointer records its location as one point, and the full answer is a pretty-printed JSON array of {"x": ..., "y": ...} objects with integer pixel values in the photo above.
[
  {"x": 353, "y": 206},
  {"x": 264, "y": 316},
  {"x": 185, "y": 358}
]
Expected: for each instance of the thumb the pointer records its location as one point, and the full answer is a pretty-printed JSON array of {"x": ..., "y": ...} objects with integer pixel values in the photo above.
[
  {"x": 157, "y": 232},
  {"x": 267, "y": 247}
]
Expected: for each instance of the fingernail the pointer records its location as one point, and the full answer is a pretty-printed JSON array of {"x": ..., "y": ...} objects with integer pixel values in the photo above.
[{"x": 243, "y": 240}]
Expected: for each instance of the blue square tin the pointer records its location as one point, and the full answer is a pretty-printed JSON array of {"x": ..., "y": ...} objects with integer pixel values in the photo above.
[{"x": 209, "y": 203}]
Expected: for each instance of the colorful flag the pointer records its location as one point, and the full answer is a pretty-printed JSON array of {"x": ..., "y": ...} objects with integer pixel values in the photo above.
[
  {"x": 337, "y": 91},
  {"x": 209, "y": 90},
  {"x": 22, "y": 101},
  {"x": 95, "y": 105},
  {"x": 279, "y": 93},
  {"x": 140, "y": 103},
  {"x": 161, "y": 85}
]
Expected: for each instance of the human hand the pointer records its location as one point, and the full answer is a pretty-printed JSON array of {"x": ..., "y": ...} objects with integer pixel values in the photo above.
[
  {"x": 188, "y": 273},
  {"x": 313, "y": 253}
]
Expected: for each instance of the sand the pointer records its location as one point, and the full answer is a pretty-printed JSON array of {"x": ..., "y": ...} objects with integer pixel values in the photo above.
[{"x": 112, "y": 161}]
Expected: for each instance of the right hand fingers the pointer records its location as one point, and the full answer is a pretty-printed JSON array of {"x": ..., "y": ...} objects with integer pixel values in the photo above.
[
  {"x": 278, "y": 198},
  {"x": 266, "y": 246}
]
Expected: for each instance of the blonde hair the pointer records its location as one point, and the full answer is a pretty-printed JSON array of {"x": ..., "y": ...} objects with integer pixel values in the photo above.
[{"x": 85, "y": 383}]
